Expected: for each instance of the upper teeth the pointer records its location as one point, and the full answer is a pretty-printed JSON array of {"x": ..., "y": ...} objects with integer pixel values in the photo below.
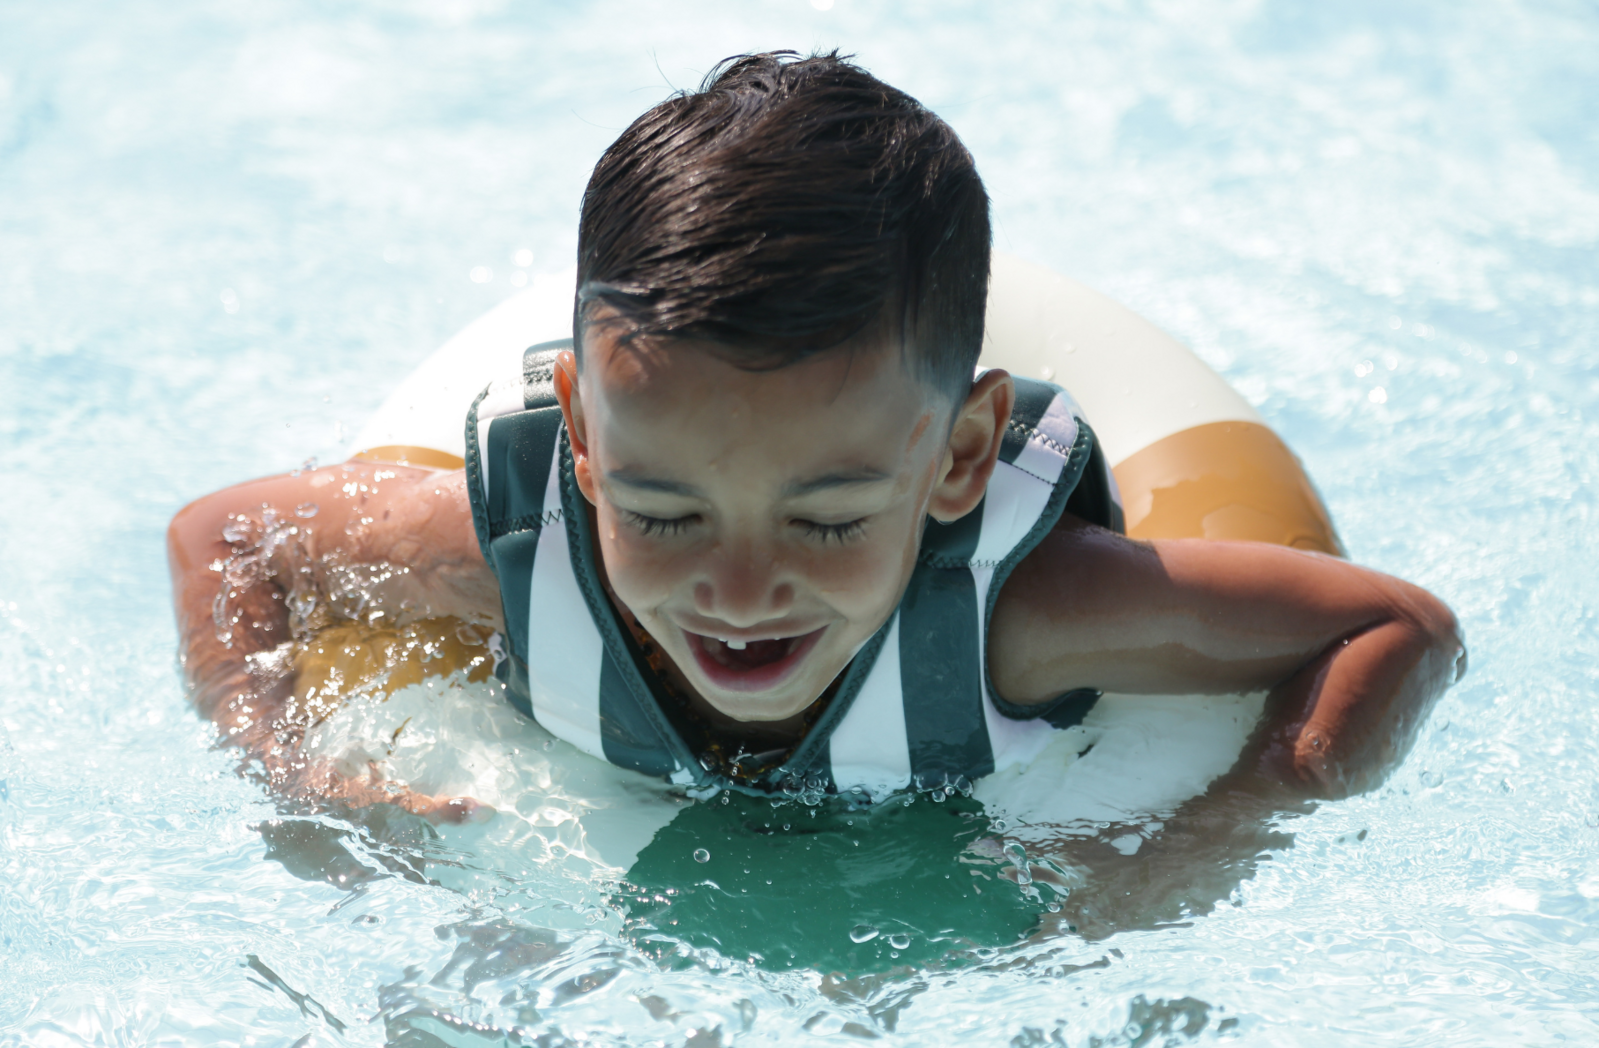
[{"x": 736, "y": 645}]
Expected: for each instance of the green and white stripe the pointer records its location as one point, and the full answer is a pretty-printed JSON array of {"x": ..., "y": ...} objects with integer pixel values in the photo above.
[{"x": 916, "y": 706}]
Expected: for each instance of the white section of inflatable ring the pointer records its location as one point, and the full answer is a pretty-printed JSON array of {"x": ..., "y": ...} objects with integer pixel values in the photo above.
[{"x": 1133, "y": 760}]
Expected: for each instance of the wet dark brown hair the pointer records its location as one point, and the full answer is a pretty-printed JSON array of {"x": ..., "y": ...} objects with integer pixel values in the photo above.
[{"x": 787, "y": 205}]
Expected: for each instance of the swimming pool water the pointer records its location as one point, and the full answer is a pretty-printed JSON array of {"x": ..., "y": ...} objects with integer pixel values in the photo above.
[{"x": 228, "y": 229}]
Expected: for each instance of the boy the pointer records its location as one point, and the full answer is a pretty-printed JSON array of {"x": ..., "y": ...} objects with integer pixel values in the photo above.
[{"x": 759, "y": 526}]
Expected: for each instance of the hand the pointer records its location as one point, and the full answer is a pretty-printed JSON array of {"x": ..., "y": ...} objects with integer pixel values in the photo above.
[
  {"x": 375, "y": 789},
  {"x": 1343, "y": 722}
]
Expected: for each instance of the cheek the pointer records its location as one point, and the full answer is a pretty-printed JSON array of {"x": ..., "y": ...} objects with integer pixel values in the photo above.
[
  {"x": 642, "y": 571},
  {"x": 863, "y": 578}
]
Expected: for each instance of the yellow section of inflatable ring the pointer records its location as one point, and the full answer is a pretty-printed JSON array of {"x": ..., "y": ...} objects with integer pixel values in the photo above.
[{"x": 408, "y": 455}]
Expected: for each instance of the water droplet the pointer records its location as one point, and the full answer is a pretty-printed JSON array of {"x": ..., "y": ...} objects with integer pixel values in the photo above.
[
  {"x": 1592, "y": 820},
  {"x": 305, "y": 509},
  {"x": 1378, "y": 396},
  {"x": 481, "y": 274},
  {"x": 1431, "y": 779},
  {"x": 899, "y": 940},
  {"x": 523, "y": 257},
  {"x": 863, "y": 933},
  {"x": 230, "y": 300},
  {"x": 701, "y": 855}
]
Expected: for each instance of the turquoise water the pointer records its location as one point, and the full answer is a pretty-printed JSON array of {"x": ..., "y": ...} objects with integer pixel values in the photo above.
[{"x": 227, "y": 229}]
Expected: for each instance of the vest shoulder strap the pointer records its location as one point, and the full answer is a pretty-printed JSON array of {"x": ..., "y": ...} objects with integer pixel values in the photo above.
[{"x": 512, "y": 437}]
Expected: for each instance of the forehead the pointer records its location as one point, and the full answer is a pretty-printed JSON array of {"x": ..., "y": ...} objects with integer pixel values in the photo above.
[{"x": 685, "y": 406}]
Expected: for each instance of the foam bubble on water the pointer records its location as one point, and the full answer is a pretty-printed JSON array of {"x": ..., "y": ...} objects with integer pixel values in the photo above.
[{"x": 702, "y": 855}]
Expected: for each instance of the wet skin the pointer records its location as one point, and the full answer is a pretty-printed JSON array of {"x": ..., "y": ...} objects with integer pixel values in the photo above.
[{"x": 782, "y": 510}]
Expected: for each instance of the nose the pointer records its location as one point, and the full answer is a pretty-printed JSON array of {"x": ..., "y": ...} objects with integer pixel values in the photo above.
[{"x": 742, "y": 584}]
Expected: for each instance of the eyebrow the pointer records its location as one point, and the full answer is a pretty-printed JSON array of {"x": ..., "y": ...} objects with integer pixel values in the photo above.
[
  {"x": 799, "y": 488},
  {"x": 644, "y": 482},
  {"x": 841, "y": 479}
]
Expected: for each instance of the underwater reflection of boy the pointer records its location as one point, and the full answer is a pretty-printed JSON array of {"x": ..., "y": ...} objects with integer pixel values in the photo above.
[{"x": 768, "y": 429}]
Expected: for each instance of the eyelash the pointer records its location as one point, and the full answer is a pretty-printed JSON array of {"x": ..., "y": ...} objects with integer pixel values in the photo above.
[
  {"x": 840, "y": 533},
  {"x": 652, "y": 527}
]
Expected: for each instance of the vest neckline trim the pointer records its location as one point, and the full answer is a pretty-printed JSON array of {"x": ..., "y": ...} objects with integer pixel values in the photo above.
[{"x": 807, "y": 756}]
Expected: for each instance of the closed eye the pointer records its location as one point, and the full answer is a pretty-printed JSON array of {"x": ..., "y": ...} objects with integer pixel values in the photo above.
[
  {"x": 826, "y": 533},
  {"x": 658, "y": 526}
]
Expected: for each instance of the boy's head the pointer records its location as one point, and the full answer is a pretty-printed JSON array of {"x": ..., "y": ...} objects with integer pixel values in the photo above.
[
  {"x": 781, "y": 288},
  {"x": 784, "y": 207}
]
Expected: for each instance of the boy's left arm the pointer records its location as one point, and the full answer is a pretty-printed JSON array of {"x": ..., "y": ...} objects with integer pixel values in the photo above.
[{"x": 1353, "y": 659}]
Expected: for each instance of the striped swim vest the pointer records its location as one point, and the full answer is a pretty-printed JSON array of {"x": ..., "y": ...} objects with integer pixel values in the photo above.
[{"x": 915, "y": 707}]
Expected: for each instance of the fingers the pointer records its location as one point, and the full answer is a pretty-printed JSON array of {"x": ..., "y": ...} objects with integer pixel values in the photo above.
[
  {"x": 324, "y": 780},
  {"x": 440, "y": 811},
  {"x": 466, "y": 810}
]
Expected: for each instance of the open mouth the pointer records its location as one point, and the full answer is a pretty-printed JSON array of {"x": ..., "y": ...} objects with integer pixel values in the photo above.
[{"x": 752, "y": 665}]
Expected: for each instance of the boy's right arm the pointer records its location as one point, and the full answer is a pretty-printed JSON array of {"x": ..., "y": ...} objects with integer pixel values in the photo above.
[{"x": 407, "y": 532}]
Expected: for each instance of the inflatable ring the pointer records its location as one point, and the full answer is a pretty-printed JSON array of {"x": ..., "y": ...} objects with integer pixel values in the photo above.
[{"x": 1190, "y": 456}]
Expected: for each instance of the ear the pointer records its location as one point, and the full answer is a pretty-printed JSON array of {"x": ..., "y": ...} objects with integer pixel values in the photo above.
[
  {"x": 571, "y": 400},
  {"x": 974, "y": 444}
]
